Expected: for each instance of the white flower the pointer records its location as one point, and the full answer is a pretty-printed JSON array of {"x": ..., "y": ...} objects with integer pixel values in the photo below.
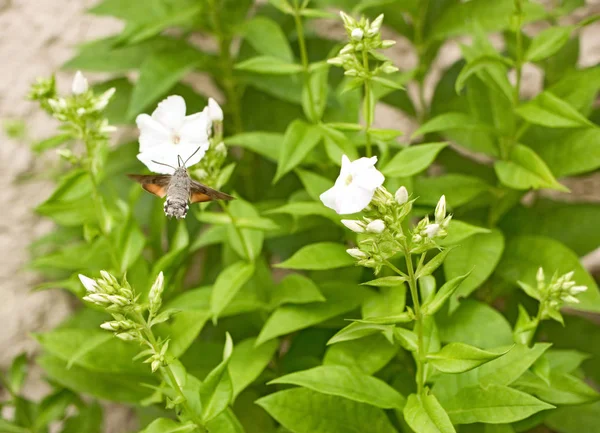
[
  {"x": 401, "y": 195},
  {"x": 169, "y": 134},
  {"x": 354, "y": 225},
  {"x": 431, "y": 230},
  {"x": 356, "y": 253},
  {"x": 80, "y": 84},
  {"x": 357, "y": 34},
  {"x": 376, "y": 226},
  {"x": 355, "y": 186},
  {"x": 90, "y": 285},
  {"x": 440, "y": 210},
  {"x": 215, "y": 113}
]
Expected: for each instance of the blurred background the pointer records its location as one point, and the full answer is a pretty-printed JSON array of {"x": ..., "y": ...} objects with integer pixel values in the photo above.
[{"x": 36, "y": 38}]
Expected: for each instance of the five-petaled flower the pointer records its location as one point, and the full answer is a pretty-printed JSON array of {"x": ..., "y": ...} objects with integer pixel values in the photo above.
[
  {"x": 169, "y": 134},
  {"x": 355, "y": 186}
]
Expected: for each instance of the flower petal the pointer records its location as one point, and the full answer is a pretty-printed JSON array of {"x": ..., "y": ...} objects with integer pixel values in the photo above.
[
  {"x": 192, "y": 152},
  {"x": 370, "y": 178},
  {"x": 162, "y": 154},
  {"x": 152, "y": 133},
  {"x": 363, "y": 164},
  {"x": 352, "y": 199},
  {"x": 195, "y": 128},
  {"x": 170, "y": 112},
  {"x": 329, "y": 197}
]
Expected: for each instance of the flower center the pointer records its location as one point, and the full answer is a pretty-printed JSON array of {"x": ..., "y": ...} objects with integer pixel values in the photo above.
[
  {"x": 176, "y": 139},
  {"x": 348, "y": 179}
]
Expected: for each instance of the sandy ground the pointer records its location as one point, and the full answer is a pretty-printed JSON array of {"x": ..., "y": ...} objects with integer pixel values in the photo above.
[{"x": 36, "y": 37}]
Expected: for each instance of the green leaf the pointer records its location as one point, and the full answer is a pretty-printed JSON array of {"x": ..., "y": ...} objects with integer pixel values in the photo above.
[
  {"x": 308, "y": 208},
  {"x": 314, "y": 184},
  {"x": 424, "y": 414},
  {"x": 216, "y": 392},
  {"x": 447, "y": 290},
  {"x": 248, "y": 361},
  {"x": 296, "y": 289},
  {"x": 357, "y": 330},
  {"x": 267, "y": 144},
  {"x": 386, "y": 82},
  {"x": 565, "y": 361},
  {"x": 319, "y": 256},
  {"x": 563, "y": 389},
  {"x": 525, "y": 254},
  {"x": 165, "y": 425},
  {"x": 345, "y": 382},
  {"x": 8, "y": 427},
  {"x": 413, "y": 160},
  {"x": 304, "y": 411},
  {"x": 314, "y": 103},
  {"x": 369, "y": 354},
  {"x": 158, "y": 73},
  {"x": 390, "y": 301},
  {"x": 547, "y": 42},
  {"x": 525, "y": 170},
  {"x": 450, "y": 121},
  {"x": 300, "y": 138},
  {"x": 430, "y": 267},
  {"x": 17, "y": 373},
  {"x": 88, "y": 420},
  {"x": 393, "y": 281},
  {"x": 549, "y": 110},
  {"x": 506, "y": 369},
  {"x": 459, "y": 189},
  {"x": 476, "y": 65},
  {"x": 183, "y": 329},
  {"x": 460, "y": 357},
  {"x": 458, "y": 231},
  {"x": 267, "y": 38},
  {"x": 477, "y": 255},
  {"x": 495, "y": 404},
  {"x": 283, "y": 6},
  {"x": 51, "y": 143},
  {"x": 341, "y": 298},
  {"x": 269, "y": 65},
  {"x": 130, "y": 244},
  {"x": 250, "y": 244},
  {"x": 228, "y": 284},
  {"x": 575, "y": 419},
  {"x": 407, "y": 339}
]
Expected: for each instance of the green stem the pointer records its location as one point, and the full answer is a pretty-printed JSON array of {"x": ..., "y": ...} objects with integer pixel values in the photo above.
[
  {"x": 421, "y": 48},
  {"x": 167, "y": 372},
  {"x": 368, "y": 109},
  {"x": 537, "y": 320},
  {"x": 420, "y": 358},
  {"x": 305, "y": 64},
  {"x": 519, "y": 53},
  {"x": 237, "y": 229}
]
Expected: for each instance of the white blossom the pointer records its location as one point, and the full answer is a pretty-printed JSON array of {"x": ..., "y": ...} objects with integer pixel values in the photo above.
[
  {"x": 215, "y": 113},
  {"x": 90, "y": 285},
  {"x": 356, "y": 253},
  {"x": 169, "y": 134},
  {"x": 431, "y": 230},
  {"x": 376, "y": 226},
  {"x": 354, "y": 225},
  {"x": 357, "y": 34},
  {"x": 80, "y": 84},
  {"x": 401, "y": 195},
  {"x": 354, "y": 187},
  {"x": 440, "y": 210}
]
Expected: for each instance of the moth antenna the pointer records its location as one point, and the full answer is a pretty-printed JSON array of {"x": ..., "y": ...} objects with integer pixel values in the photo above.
[
  {"x": 162, "y": 163},
  {"x": 190, "y": 157},
  {"x": 180, "y": 161}
]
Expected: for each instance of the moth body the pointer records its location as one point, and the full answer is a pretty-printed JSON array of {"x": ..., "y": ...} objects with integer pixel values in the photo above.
[{"x": 178, "y": 194}]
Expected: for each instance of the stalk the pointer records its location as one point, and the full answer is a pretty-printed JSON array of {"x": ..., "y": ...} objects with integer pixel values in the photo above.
[
  {"x": 412, "y": 282},
  {"x": 368, "y": 108},
  {"x": 304, "y": 59}
]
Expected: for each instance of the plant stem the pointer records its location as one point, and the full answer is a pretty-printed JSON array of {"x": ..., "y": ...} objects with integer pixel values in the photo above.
[
  {"x": 305, "y": 64},
  {"x": 368, "y": 107},
  {"x": 237, "y": 229},
  {"x": 519, "y": 53},
  {"x": 167, "y": 372},
  {"x": 537, "y": 320},
  {"x": 421, "y": 48},
  {"x": 420, "y": 358}
]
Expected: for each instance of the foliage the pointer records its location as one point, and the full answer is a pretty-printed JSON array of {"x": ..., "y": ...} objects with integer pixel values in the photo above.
[{"x": 241, "y": 310}]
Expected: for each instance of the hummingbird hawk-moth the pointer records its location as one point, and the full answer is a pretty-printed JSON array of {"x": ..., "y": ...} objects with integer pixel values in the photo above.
[{"x": 179, "y": 188}]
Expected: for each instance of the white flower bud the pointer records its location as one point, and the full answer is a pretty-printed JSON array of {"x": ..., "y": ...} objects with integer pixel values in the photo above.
[
  {"x": 354, "y": 225},
  {"x": 540, "y": 277},
  {"x": 104, "y": 99},
  {"x": 347, "y": 49},
  {"x": 376, "y": 226},
  {"x": 221, "y": 149},
  {"x": 336, "y": 61},
  {"x": 401, "y": 195},
  {"x": 215, "y": 113},
  {"x": 417, "y": 238},
  {"x": 376, "y": 24},
  {"x": 575, "y": 290},
  {"x": 387, "y": 43},
  {"x": 356, "y": 253},
  {"x": 570, "y": 299},
  {"x": 440, "y": 210},
  {"x": 110, "y": 326},
  {"x": 348, "y": 20},
  {"x": 125, "y": 336},
  {"x": 568, "y": 275},
  {"x": 89, "y": 284},
  {"x": 155, "y": 295},
  {"x": 357, "y": 34},
  {"x": 431, "y": 230},
  {"x": 351, "y": 72},
  {"x": 80, "y": 84}
]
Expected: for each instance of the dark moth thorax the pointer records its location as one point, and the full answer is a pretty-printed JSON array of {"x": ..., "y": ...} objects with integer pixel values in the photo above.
[{"x": 178, "y": 194}]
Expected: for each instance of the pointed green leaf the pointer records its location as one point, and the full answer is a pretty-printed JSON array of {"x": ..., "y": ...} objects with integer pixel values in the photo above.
[
  {"x": 269, "y": 65},
  {"x": 248, "y": 361},
  {"x": 267, "y": 38},
  {"x": 296, "y": 289},
  {"x": 228, "y": 283},
  {"x": 424, "y": 414},
  {"x": 369, "y": 354},
  {"x": 216, "y": 392},
  {"x": 547, "y": 42},
  {"x": 447, "y": 290},
  {"x": 549, "y": 110},
  {"x": 319, "y": 256},
  {"x": 413, "y": 159},
  {"x": 299, "y": 139},
  {"x": 460, "y": 357}
]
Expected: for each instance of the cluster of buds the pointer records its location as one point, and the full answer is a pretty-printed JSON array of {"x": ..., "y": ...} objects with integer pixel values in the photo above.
[
  {"x": 381, "y": 233},
  {"x": 209, "y": 169},
  {"x": 108, "y": 293},
  {"x": 426, "y": 232},
  {"x": 158, "y": 358},
  {"x": 364, "y": 39}
]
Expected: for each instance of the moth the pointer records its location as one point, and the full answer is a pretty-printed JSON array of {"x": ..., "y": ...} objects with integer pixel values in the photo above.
[{"x": 179, "y": 188}]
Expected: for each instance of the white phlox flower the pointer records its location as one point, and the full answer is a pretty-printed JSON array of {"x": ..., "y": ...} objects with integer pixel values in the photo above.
[
  {"x": 355, "y": 186},
  {"x": 80, "y": 84},
  {"x": 169, "y": 134}
]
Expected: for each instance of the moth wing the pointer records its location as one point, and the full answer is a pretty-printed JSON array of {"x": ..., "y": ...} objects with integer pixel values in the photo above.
[
  {"x": 154, "y": 184},
  {"x": 201, "y": 193}
]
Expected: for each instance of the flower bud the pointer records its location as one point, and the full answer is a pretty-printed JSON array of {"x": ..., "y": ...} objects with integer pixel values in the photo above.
[
  {"x": 215, "y": 113},
  {"x": 376, "y": 24},
  {"x": 431, "y": 230},
  {"x": 221, "y": 149},
  {"x": 401, "y": 195},
  {"x": 89, "y": 284},
  {"x": 440, "y": 210},
  {"x": 357, "y": 34},
  {"x": 80, "y": 84},
  {"x": 126, "y": 336},
  {"x": 336, "y": 61},
  {"x": 540, "y": 277},
  {"x": 111, "y": 326},
  {"x": 104, "y": 99},
  {"x": 387, "y": 43},
  {"x": 348, "y": 20},
  {"x": 389, "y": 69},
  {"x": 417, "y": 238},
  {"x": 356, "y": 253},
  {"x": 376, "y": 226},
  {"x": 570, "y": 299},
  {"x": 351, "y": 72},
  {"x": 354, "y": 225},
  {"x": 155, "y": 295},
  {"x": 347, "y": 49},
  {"x": 575, "y": 290}
]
